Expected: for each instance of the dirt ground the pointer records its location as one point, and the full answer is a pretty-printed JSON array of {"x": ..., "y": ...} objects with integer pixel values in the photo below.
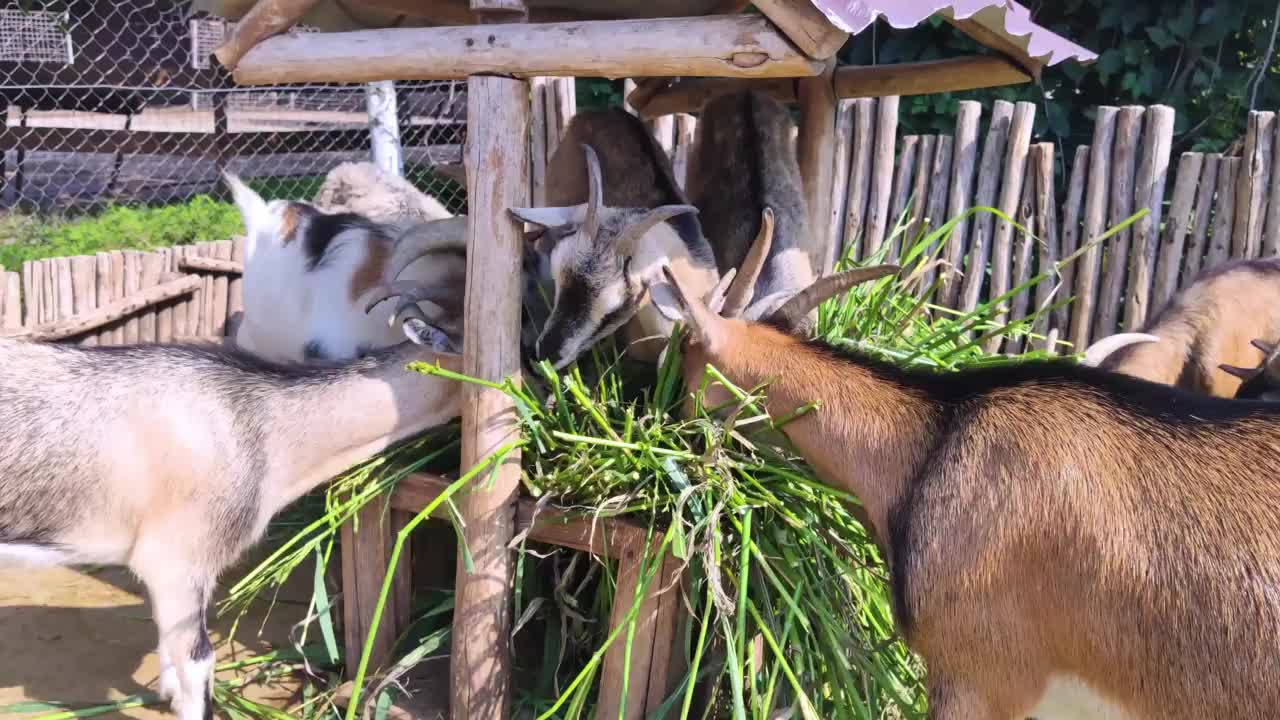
[{"x": 87, "y": 639}]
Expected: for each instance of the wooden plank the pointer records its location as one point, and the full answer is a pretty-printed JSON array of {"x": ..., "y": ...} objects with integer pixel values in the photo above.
[
  {"x": 1011, "y": 189},
  {"x": 1203, "y": 214},
  {"x": 1177, "y": 224},
  {"x": 928, "y": 77},
  {"x": 117, "y": 292},
  {"x": 1251, "y": 185},
  {"x": 538, "y": 141},
  {"x": 935, "y": 214},
  {"x": 102, "y": 279},
  {"x": 164, "y": 313},
  {"x": 716, "y": 46},
  {"x": 64, "y": 288},
  {"x": 805, "y": 25},
  {"x": 859, "y": 188},
  {"x": 964, "y": 160},
  {"x": 925, "y": 156},
  {"x": 992, "y": 163},
  {"x": 12, "y": 301},
  {"x": 815, "y": 151},
  {"x": 1271, "y": 229},
  {"x": 112, "y": 312},
  {"x": 497, "y": 179},
  {"x": 690, "y": 94},
  {"x": 152, "y": 270},
  {"x": 1124, "y": 158},
  {"x": 881, "y": 175},
  {"x": 1157, "y": 142},
  {"x": 1095, "y": 214},
  {"x": 31, "y": 290},
  {"x": 617, "y": 686},
  {"x": 1048, "y": 251},
  {"x": 901, "y": 195},
  {"x": 180, "y": 310},
  {"x": 221, "y": 286},
  {"x": 666, "y": 667},
  {"x": 264, "y": 19},
  {"x": 235, "y": 284},
  {"x": 205, "y": 249},
  {"x": 132, "y": 284},
  {"x": 1223, "y": 213},
  {"x": 366, "y": 549},
  {"x": 84, "y": 289},
  {"x": 1023, "y": 244},
  {"x": 834, "y": 226},
  {"x": 49, "y": 305}
]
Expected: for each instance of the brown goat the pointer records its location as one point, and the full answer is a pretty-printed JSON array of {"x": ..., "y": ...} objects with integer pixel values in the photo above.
[
  {"x": 1128, "y": 568},
  {"x": 1208, "y": 324}
]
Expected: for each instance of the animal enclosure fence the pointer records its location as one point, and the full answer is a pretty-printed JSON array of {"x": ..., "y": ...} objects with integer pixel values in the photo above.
[
  {"x": 119, "y": 102},
  {"x": 1212, "y": 208}
]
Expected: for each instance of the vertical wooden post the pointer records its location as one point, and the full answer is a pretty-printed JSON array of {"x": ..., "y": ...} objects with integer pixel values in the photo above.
[
  {"x": 1176, "y": 228},
  {"x": 817, "y": 98},
  {"x": 1148, "y": 191},
  {"x": 1095, "y": 216},
  {"x": 384, "y": 126},
  {"x": 1203, "y": 213},
  {"x": 881, "y": 174},
  {"x": 366, "y": 548},
  {"x": 1015, "y": 164},
  {"x": 839, "y": 182},
  {"x": 497, "y": 179},
  {"x": 855, "y": 202},
  {"x": 1123, "y": 171},
  {"x": 964, "y": 159},
  {"x": 1251, "y": 185},
  {"x": 992, "y": 164}
]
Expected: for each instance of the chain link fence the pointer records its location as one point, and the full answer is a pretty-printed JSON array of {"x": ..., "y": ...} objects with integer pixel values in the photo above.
[{"x": 121, "y": 102}]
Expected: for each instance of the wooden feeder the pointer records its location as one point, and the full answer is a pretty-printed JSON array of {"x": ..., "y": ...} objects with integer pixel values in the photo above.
[{"x": 685, "y": 51}]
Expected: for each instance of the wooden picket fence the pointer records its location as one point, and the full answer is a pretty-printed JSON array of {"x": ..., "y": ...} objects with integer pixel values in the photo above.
[
  {"x": 1219, "y": 208},
  {"x": 174, "y": 294}
]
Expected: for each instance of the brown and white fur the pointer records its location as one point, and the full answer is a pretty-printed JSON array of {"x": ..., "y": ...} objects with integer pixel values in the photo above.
[
  {"x": 743, "y": 161},
  {"x": 1205, "y": 326},
  {"x": 608, "y": 167},
  {"x": 1063, "y": 542},
  {"x": 171, "y": 460},
  {"x": 310, "y": 278}
]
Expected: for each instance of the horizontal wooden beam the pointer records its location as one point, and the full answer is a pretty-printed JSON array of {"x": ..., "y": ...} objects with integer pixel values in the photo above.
[
  {"x": 805, "y": 25},
  {"x": 605, "y": 537},
  {"x": 208, "y": 264},
  {"x": 264, "y": 19},
  {"x": 723, "y": 46},
  {"x": 80, "y": 324},
  {"x": 927, "y": 77},
  {"x": 850, "y": 81}
]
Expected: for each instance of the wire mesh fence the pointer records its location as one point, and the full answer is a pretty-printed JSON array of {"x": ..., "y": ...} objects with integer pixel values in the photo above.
[{"x": 121, "y": 102}]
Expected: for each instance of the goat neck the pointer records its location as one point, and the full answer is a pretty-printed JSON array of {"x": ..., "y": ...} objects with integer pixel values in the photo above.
[{"x": 317, "y": 430}]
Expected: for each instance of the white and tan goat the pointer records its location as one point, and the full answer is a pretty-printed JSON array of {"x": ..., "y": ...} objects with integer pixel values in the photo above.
[
  {"x": 1063, "y": 542},
  {"x": 312, "y": 279},
  {"x": 189, "y": 454},
  {"x": 1200, "y": 330}
]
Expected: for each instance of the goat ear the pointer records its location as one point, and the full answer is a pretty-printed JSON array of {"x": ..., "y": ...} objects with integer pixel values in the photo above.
[
  {"x": 548, "y": 217},
  {"x": 250, "y": 203}
]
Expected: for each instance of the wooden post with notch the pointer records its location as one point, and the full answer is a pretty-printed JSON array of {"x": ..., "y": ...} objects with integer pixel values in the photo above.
[
  {"x": 816, "y": 150},
  {"x": 497, "y": 157}
]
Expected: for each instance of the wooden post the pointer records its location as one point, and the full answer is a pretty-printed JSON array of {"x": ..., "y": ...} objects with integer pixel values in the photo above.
[
  {"x": 686, "y": 131},
  {"x": 815, "y": 151},
  {"x": 1223, "y": 213},
  {"x": 221, "y": 286},
  {"x": 864, "y": 130},
  {"x": 1116, "y": 254},
  {"x": 497, "y": 179},
  {"x": 964, "y": 147},
  {"x": 132, "y": 284},
  {"x": 264, "y": 19},
  {"x": 834, "y": 227},
  {"x": 881, "y": 175},
  {"x": 1251, "y": 185},
  {"x": 384, "y": 126},
  {"x": 1148, "y": 193},
  {"x": 152, "y": 269},
  {"x": 1011, "y": 189},
  {"x": 83, "y": 276},
  {"x": 1271, "y": 230},
  {"x": 901, "y": 191},
  {"x": 926, "y": 153},
  {"x": 1023, "y": 243},
  {"x": 1203, "y": 215},
  {"x": 12, "y": 301},
  {"x": 1176, "y": 227},
  {"x": 366, "y": 548},
  {"x": 1041, "y": 169},
  {"x": 988, "y": 186},
  {"x": 1095, "y": 215},
  {"x": 805, "y": 25}
]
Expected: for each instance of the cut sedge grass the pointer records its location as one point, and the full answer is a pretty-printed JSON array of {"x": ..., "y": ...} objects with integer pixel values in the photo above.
[{"x": 774, "y": 558}]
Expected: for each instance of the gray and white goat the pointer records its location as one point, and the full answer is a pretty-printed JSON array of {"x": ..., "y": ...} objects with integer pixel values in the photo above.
[
  {"x": 171, "y": 460},
  {"x": 313, "y": 279},
  {"x": 744, "y": 161}
]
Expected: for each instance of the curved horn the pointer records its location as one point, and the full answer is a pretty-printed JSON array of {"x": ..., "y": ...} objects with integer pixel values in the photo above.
[
  {"x": 638, "y": 228},
  {"x": 715, "y": 298},
  {"x": 595, "y": 191},
  {"x": 1239, "y": 372},
  {"x": 424, "y": 238},
  {"x": 743, "y": 288},
  {"x": 794, "y": 310},
  {"x": 407, "y": 289},
  {"x": 1266, "y": 347},
  {"x": 1096, "y": 353}
]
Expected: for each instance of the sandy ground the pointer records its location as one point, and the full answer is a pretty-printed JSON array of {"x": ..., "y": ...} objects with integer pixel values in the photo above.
[{"x": 88, "y": 639}]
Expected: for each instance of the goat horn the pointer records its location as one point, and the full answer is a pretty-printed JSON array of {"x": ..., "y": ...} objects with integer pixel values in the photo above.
[
  {"x": 715, "y": 298},
  {"x": 1101, "y": 350},
  {"x": 425, "y": 238},
  {"x": 1266, "y": 347},
  {"x": 411, "y": 291},
  {"x": 744, "y": 287},
  {"x": 595, "y": 191},
  {"x": 664, "y": 212},
  {"x": 1242, "y": 373},
  {"x": 793, "y": 311}
]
